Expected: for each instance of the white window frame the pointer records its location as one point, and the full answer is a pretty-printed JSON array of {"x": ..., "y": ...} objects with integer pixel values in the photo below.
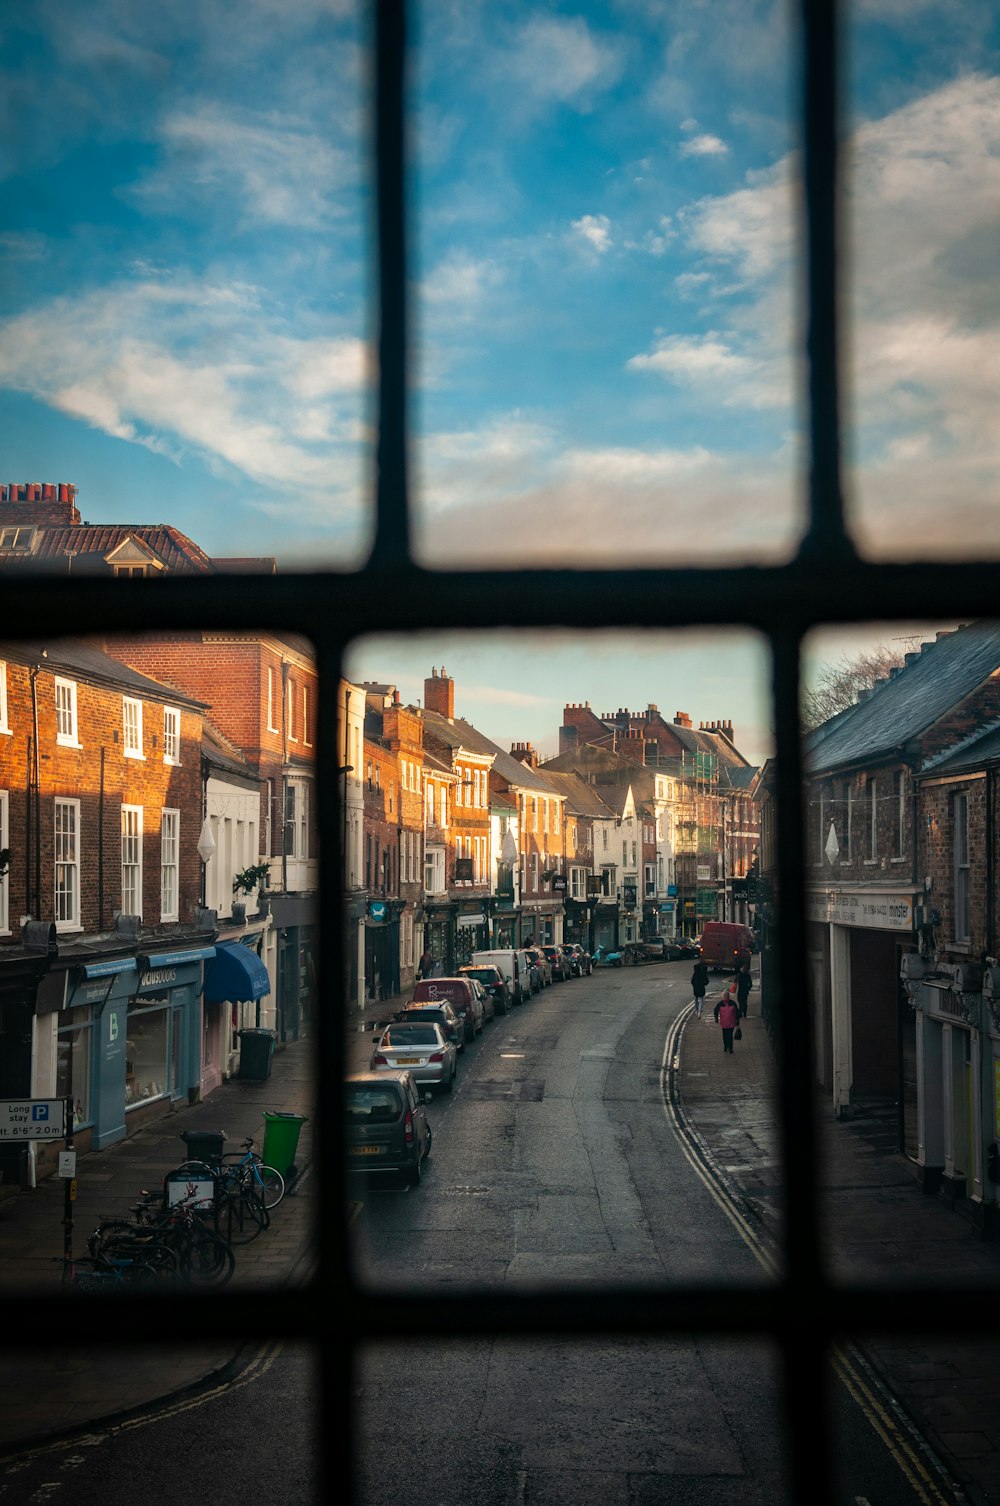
[
  {"x": 300, "y": 792},
  {"x": 132, "y": 727},
  {"x": 4, "y": 724},
  {"x": 290, "y": 710},
  {"x": 961, "y": 866},
  {"x": 66, "y": 857},
  {"x": 578, "y": 883},
  {"x": 67, "y": 725},
  {"x": 270, "y": 701},
  {"x": 132, "y": 860},
  {"x": 172, "y": 735},
  {"x": 305, "y": 717},
  {"x": 170, "y": 864},
  {"x": 5, "y": 880}
]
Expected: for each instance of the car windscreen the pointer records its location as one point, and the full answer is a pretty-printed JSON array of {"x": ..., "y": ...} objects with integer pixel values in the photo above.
[
  {"x": 482, "y": 974},
  {"x": 372, "y": 1103},
  {"x": 410, "y": 1035}
]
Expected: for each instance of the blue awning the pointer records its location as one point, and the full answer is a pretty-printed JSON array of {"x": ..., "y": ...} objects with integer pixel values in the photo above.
[
  {"x": 235, "y": 973},
  {"x": 108, "y": 969},
  {"x": 176, "y": 959}
]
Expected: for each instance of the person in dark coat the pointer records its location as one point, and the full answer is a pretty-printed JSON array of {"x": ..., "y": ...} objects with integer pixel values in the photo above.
[
  {"x": 699, "y": 987},
  {"x": 425, "y": 966},
  {"x": 727, "y": 1014},
  {"x": 744, "y": 983}
]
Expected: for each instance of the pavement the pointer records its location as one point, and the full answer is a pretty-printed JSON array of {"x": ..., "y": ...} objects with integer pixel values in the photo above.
[
  {"x": 49, "y": 1395},
  {"x": 877, "y": 1222}
]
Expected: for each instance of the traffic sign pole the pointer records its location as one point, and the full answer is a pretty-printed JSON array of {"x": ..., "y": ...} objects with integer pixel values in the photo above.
[{"x": 68, "y": 1196}]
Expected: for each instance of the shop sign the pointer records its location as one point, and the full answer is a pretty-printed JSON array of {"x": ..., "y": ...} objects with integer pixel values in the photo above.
[
  {"x": 703, "y": 871},
  {"x": 158, "y": 976},
  {"x": 376, "y": 909},
  {"x": 472, "y": 920},
  {"x": 629, "y": 892},
  {"x": 871, "y": 911}
]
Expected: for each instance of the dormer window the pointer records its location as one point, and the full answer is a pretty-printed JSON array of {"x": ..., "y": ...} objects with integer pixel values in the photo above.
[{"x": 17, "y": 540}]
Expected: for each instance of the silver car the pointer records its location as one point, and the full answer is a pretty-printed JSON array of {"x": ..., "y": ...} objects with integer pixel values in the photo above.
[{"x": 420, "y": 1048}]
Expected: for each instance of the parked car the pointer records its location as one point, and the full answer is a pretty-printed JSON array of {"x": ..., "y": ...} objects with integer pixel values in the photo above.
[
  {"x": 515, "y": 967},
  {"x": 583, "y": 960},
  {"x": 460, "y": 995},
  {"x": 485, "y": 997},
  {"x": 387, "y": 1127},
  {"x": 442, "y": 1014},
  {"x": 559, "y": 963},
  {"x": 541, "y": 963},
  {"x": 682, "y": 946},
  {"x": 493, "y": 980},
  {"x": 422, "y": 1048}
]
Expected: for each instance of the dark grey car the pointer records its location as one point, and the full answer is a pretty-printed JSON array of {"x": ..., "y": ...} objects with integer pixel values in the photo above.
[{"x": 386, "y": 1124}]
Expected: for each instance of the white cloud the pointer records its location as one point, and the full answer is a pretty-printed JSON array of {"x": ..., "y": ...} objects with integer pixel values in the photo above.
[
  {"x": 595, "y": 230},
  {"x": 186, "y": 367},
  {"x": 703, "y": 146},
  {"x": 462, "y": 282},
  {"x": 554, "y": 59},
  {"x": 710, "y": 363},
  {"x": 277, "y": 172}
]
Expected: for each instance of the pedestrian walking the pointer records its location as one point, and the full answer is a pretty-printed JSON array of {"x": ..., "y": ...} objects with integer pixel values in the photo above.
[
  {"x": 699, "y": 987},
  {"x": 744, "y": 983},
  {"x": 727, "y": 1014},
  {"x": 425, "y": 966}
]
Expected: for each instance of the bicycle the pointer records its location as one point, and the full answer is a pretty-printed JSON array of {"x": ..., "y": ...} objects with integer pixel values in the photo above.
[
  {"x": 204, "y": 1256},
  {"x": 122, "y": 1265}
]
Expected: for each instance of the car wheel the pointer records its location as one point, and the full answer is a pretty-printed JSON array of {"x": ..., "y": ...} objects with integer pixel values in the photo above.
[
  {"x": 446, "y": 1087},
  {"x": 416, "y": 1172}
]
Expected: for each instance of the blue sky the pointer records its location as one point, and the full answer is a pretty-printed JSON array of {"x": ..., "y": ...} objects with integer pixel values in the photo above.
[{"x": 604, "y": 276}]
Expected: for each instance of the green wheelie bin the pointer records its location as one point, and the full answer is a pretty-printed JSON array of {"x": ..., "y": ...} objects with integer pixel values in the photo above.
[{"x": 281, "y": 1139}]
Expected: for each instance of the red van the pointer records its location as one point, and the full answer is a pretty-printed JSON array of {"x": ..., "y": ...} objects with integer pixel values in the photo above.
[
  {"x": 725, "y": 947},
  {"x": 460, "y": 995}
]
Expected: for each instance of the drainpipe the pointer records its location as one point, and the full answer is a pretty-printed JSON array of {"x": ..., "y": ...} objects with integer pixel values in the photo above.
[
  {"x": 284, "y": 775},
  {"x": 990, "y": 865},
  {"x": 34, "y": 811},
  {"x": 100, "y": 847}
]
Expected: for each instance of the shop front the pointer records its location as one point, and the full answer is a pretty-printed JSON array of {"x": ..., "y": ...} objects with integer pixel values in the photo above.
[
  {"x": 957, "y": 1045},
  {"x": 293, "y": 919},
  {"x": 473, "y": 934},
  {"x": 236, "y": 981}
]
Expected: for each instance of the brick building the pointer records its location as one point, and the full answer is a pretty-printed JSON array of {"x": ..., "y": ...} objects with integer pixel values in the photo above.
[
  {"x": 262, "y": 694},
  {"x": 901, "y": 844},
  {"x": 102, "y": 932}
]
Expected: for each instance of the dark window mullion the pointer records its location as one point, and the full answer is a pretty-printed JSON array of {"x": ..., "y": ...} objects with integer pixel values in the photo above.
[
  {"x": 392, "y": 522},
  {"x": 820, "y": 86}
]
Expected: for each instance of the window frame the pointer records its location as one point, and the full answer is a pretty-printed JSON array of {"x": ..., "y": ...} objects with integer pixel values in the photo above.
[
  {"x": 172, "y": 739},
  {"x": 804, "y": 1313},
  {"x": 132, "y": 727},
  {"x": 70, "y": 736},
  {"x": 167, "y": 911},
  {"x": 73, "y": 921},
  {"x": 131, "y": 891}
]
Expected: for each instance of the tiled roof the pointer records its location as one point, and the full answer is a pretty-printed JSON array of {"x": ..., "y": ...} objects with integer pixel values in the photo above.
[
  {"x": 457, "y": 733},
  {"x": 905, "y": 706},
  {"x": 83, "y": 660},
  {"x": 84, "y": 548}
]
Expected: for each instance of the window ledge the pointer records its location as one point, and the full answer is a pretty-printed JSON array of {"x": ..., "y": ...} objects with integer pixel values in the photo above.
[
  {"x": 64, "y": 742},
  {"x": 139, "y": 757}
]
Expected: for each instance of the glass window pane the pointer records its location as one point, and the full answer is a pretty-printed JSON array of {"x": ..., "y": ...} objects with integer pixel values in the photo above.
[
  {"x": 580, "y": 1121},
  {"x": 186, "y": 273},
  {"x": 605, "y": 245}
]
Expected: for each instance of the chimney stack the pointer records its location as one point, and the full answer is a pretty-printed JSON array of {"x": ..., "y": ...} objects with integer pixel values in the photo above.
[{"x": 439, "y": 694}]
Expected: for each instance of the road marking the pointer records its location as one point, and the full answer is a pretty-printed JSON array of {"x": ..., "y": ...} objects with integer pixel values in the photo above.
[{"x": 901, "y": 1438}]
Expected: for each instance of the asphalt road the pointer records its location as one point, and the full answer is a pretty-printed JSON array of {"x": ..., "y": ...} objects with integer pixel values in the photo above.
[{"x": 555, "y": 1162}]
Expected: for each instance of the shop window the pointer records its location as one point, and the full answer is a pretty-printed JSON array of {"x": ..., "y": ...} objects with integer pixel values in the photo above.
[
  {"x": 147, "y": 1064},
  {"x": 74, "y": 1053}
]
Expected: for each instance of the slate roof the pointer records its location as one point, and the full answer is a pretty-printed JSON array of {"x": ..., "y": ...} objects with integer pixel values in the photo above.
[
  {"x": 581, "y": 798},
  {"x": 457, "y": 733},
  {"x": 84, "y": 660},
  {"x": 907, "y": 705},
  {"x": 981, "y": 748}
]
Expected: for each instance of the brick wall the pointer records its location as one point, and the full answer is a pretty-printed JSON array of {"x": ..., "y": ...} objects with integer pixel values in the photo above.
[{"x": 102, "y": 779}]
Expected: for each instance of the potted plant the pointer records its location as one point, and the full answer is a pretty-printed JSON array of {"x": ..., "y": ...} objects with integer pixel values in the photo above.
[{"x": 245, "y": 883}]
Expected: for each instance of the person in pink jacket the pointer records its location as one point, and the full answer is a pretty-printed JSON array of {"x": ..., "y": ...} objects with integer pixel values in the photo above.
[{"x": 727, "y": 1013}]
